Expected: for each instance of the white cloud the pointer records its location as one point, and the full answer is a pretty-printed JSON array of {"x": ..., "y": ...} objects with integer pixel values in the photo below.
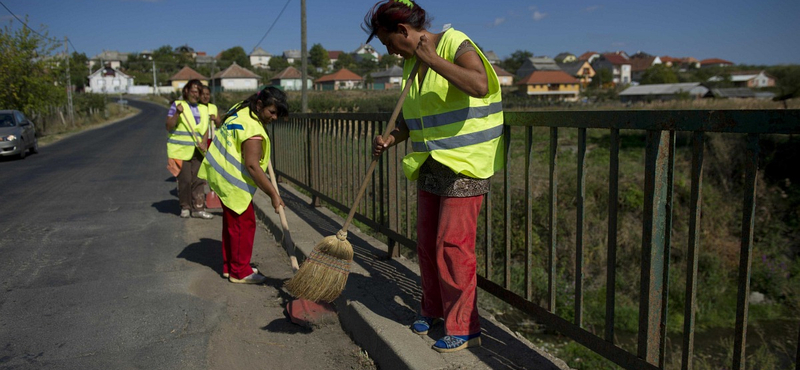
[
  {"x": 499, "y": 21},
  {"x": 592, "y": 8},
  {"x": 537, "y": 15}
]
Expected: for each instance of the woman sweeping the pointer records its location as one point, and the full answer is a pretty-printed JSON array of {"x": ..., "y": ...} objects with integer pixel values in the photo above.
[
  {"x": 235, "y": 168},
  {"x": 454, "y": 119},
  {"x": 187, "y": 125}
]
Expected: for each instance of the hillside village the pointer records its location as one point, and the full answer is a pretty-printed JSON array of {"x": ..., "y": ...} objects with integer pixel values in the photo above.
[{"x": 563, "y": 78}]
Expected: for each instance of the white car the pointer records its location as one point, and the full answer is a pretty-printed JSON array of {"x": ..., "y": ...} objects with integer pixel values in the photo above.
[{"x": 17, "y": 134}]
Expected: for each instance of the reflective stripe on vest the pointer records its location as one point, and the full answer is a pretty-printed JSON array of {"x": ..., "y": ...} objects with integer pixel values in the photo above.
[
  {"x": 180, "y": 144},
  {"x": 223, "y": 166},
  {"x": 458, "y": 141},
  {"x": 227, "y": 176},
  {"x": 447, "y": 118}
]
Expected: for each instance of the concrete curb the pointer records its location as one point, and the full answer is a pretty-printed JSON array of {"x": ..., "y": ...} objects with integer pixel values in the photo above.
[{"x": 382, "y": 297}]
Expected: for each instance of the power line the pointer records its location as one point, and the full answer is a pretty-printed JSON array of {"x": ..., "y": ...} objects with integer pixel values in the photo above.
[
  {"x": 24, "y": 24},
  {"x": 273, "y": 25},
  {"x": 34, "y": 31}
]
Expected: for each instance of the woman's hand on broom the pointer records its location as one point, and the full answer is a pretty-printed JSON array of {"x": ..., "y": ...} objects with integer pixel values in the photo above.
[
  {"x": 379, "y": 145},
  {"x": 277, "y": 202}
]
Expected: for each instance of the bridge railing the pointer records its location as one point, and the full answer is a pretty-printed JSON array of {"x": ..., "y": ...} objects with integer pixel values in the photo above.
[{"x": 327, "y": 155}]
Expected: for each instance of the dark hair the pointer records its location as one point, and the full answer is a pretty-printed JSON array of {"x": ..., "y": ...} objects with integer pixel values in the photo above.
[
  {"x": 268, "y": 96},
  {"x": 189, "y": 85},
  {"x": 205, "y": 87},
  {"x": 388, "y": 14}
]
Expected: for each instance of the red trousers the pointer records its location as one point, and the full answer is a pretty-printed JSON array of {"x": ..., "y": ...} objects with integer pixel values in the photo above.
[
  {"x": 446, "y": 230},
  {"x": 238, "y": 233}
]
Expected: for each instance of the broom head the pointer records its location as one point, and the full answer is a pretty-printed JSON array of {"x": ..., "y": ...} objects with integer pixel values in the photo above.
[{"x": 323, "y": 275}]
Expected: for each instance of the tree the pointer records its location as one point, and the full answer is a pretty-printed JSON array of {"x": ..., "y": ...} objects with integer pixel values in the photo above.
[
  {"x": 516, "y": 60},
  {"x": 318, "y": 57},
  {"x": 602, "y": 77},
  {"x": 345, "y": 61},
  {"x": 278, "y": 64},
  {"x": 366, "y": 65},
  {"x": 78, "y": 70},
  {"x": 787, "y": 79},
  {"x": 659, "y": 74},
  {"x": 388, "y": 60},
  {"x": 31, "y": 81},
  {"x": 234, "y": 54}
]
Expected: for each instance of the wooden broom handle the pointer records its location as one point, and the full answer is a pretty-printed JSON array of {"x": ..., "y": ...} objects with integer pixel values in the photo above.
[
  {"x": 287, "y": 236},
  {"x": 386, "y": 133}
]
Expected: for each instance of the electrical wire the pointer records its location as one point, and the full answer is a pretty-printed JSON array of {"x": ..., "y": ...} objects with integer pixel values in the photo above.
[
  {"x": 24, "y": 24},
  {"x": 273, "y": 25},
  {"x": 36, "y": 32}
]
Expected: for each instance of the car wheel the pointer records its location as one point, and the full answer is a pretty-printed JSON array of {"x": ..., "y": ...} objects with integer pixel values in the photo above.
[
  {"x": 22, "y": 153},
  {"x": 35, "y": 147}
]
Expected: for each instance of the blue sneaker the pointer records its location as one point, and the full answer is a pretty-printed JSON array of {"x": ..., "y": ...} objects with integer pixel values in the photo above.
[
  {"x": 423, "y": 324},
  {"x": 452, "y": 343}
]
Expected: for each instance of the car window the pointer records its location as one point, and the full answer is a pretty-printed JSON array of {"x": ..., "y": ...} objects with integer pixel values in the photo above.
[
  {"x": 6, "y": 120},
  {"x": 20, "y": 117}
]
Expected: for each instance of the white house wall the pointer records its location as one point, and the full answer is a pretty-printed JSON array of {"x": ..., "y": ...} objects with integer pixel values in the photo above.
[{"x": 243, "y": 84}]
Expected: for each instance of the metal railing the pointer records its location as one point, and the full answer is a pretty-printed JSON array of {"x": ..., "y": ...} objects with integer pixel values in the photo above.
[{"x": 327, "y": 155}]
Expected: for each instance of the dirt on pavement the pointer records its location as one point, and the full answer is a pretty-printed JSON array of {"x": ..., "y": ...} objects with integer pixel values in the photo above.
[{"x": 255, "y": 332}]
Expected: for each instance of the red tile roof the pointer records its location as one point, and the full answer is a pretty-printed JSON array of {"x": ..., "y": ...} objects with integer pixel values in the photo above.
[
  {"x": 667, "y": 59},
  {"x": 586, "y": 55},
  {"x": 715, "y": 61},
  {"x": 616, "y": 59},
  {"x": 187, "y": 74},
  {"x": 334, "y": 54},
  {"x": 548, "y": 77},
  {"x": 343, "y": 74},
  {"x": 641, "y": 64}
]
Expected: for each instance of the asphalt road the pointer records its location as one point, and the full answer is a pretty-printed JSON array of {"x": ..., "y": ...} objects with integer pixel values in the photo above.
[{"x": 98, "y": 271}]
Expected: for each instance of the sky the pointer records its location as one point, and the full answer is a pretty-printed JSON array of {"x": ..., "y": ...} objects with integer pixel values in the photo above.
[{"x": 754, "y": 32}]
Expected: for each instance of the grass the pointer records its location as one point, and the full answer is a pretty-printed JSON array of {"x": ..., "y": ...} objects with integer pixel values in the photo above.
[{"x": 114, "y": 112}]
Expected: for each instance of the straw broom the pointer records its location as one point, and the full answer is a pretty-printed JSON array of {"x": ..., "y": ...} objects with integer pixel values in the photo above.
[
  {"x": 287, "y": 242},
  {"x": 323, "y": 276}
]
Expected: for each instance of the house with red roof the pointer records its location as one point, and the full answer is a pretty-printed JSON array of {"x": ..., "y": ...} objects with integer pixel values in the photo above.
[
  {"x": 640, "y": 63},
  {"x": 333, "y": 57},
  {"x": 183, "y": 76},
  {"x": 618, "y": 64},
  {"x": 589, "y": 56},
  {"x": 681, "y": 63},
  {"x": 550, "y": 85},
  {"x": 341, "y": 79},
  {"x": 715, "y": 62}
]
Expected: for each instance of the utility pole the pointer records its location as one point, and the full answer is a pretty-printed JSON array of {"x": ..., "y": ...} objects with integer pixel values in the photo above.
[
  {"x": 69, "y": 83},
  {"x": 155, "y": 80},
  {"x": 304, "y": 51}
]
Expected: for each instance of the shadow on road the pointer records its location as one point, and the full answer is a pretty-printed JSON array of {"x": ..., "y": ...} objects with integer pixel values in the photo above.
[
  {"x": 171, "y": 206},
  {"x": 206, "y": 252}
]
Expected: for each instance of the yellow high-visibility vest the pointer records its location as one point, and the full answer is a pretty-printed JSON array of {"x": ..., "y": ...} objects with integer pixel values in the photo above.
[
  {"x": 180, "y": 144},
  {"x": 224, "y": 167},
  {"x": 459, "y": 131}
]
